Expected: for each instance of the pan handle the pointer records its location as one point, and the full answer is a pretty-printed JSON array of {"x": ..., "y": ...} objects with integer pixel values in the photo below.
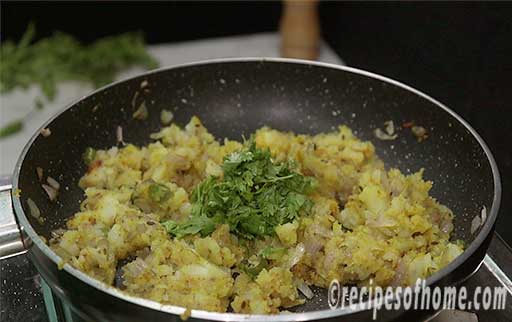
[{"x": 11, "y": 243}]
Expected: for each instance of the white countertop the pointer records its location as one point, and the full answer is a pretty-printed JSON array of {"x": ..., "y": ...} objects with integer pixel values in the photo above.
[{"x": 19, "y": 103}]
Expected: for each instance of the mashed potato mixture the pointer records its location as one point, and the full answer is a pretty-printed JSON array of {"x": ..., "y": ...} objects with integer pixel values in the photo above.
[{"x": 247, "y": 227}]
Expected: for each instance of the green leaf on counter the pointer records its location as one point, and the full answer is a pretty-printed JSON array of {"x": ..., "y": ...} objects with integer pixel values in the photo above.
[
  {"x": 61, "y": 57},
  {"x": 11, "y": 128}
]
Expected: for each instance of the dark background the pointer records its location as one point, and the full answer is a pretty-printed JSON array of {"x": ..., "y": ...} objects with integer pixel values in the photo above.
[{"x": 460, "y": 53}]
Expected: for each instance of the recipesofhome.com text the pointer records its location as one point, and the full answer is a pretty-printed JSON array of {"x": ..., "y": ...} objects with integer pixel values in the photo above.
[{"x": 416, "y": 297}]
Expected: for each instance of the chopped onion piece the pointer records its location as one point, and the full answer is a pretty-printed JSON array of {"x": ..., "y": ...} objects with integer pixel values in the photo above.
[
  {"x": 53, "y": 183},
  {"x": 304, "y": 289},
  {"x": 446, "y": 227},
  {"x": 39, "y": 171},
  {"x": 50, "y": 191},
  {"x": 57, "y": 233},
  {"x": 141, "y": 113},
  {"x": 484, "y": 214},
  {"x": 296, "y": 255},
  {"x": 389, "y": 127},
  {"x": 134, "y": 98},
  {"x": 34, "y": 211},
  {"x": 419, "y": 132},
  {"x": 45, "y": 132},
  {"x": 119, "y": 135},
  {"x": 166, "y": 117},
  {"x": 381, "y": 135},
  {"x": 475, "y": 223}
]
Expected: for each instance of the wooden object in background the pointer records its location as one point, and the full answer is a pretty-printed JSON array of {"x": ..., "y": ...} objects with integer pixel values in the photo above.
[{"x": 300, "y": 29}]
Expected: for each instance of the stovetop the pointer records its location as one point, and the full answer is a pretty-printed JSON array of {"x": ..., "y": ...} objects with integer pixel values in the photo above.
[{"x": 24, "y": 297}]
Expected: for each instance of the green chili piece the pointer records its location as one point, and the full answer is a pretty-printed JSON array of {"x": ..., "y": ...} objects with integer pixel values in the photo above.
[
  {"x": 254, "y": 271},
  {"x": 159, "y": 193}
]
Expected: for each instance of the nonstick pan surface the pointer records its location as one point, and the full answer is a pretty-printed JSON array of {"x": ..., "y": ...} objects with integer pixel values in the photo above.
[{"x": 234, "y": 97}]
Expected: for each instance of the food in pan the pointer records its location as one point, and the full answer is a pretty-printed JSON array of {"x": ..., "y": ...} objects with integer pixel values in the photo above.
[{"x": 250, "y": 226}]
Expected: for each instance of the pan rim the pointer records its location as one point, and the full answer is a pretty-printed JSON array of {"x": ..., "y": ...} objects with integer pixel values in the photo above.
[{"x": 321, "y": 314}]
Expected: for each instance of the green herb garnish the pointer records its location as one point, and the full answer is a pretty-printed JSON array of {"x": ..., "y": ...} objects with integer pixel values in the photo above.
[
  {"x": 88, "y": 155},
  {"x": 195, "y": 225},
  {"x": 254, "y": 196}
]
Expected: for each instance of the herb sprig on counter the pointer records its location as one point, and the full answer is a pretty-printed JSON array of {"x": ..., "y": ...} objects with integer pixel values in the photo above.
[
  {"x": 61, "y": 57},
  {"x": 11, "y": 128},
  {"x": 254, "y": 196}
]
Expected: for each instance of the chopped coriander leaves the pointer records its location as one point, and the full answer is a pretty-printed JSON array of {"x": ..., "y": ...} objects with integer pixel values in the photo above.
[
  {"x": 88, "y": 155},
  {"x": 203, "y": 225},
  {"x": 254, "y": 196}
]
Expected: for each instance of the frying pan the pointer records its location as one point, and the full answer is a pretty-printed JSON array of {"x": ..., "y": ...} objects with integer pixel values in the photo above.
[{"x": 234, "y": 97}]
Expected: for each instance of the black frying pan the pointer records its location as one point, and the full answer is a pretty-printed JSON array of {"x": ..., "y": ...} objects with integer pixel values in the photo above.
[{"x": 234, "y": 97}]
